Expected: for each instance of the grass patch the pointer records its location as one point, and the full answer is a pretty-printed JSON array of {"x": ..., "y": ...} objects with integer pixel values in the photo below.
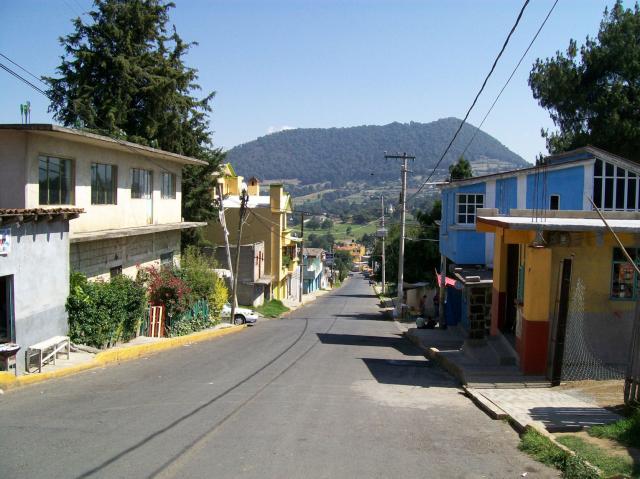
[
  {"x": 272, "y": 309},
  {"x": 543, "y": 450},
  {"x": 625, "y": 431},
  {"x": 609, "y": 464}
]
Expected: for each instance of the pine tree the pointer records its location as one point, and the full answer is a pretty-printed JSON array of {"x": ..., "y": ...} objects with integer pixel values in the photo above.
[{"x": 123, "y": 75}]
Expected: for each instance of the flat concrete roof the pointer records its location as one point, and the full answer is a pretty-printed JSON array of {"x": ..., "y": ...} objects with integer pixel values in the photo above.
[
  {"x": 560, "y": 224},
  {"x": 101, "y": 140},
  {"x": 133, "y": 231}
]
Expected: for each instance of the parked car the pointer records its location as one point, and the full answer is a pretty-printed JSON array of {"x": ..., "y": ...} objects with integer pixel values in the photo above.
[{"x": 242, "y": 316}]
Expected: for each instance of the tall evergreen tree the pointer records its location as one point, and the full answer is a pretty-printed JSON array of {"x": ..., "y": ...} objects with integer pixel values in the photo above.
[
  {"x": 592, "y": 92},
  {"x": 123, "y": 74},
  {"x": 460, "y": 170}
]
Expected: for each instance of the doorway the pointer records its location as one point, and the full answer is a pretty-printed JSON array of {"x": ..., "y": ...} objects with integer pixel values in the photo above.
[
  {"x": 6, "y": 309},
  {"x": 560, "y": 327},
  {"x": 508, "y": 321}
]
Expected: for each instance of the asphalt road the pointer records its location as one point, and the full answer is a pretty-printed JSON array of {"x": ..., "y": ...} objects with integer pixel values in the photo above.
[{"x": 332, "y": 392}]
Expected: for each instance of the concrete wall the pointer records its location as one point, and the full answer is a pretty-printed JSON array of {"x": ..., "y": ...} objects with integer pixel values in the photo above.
[
  {"x": 96, "y": 258},
  {"x": 39, "y": 264},
  {"x": 13, "y": 177},
  {"x": 28, "y": 147}
]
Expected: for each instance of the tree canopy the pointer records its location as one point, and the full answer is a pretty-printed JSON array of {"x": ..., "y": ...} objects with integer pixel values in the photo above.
[
  {"x": 593, "y": 92},
  {"x": 460, "y": 170},
  {"x": 123, "y": 75}
]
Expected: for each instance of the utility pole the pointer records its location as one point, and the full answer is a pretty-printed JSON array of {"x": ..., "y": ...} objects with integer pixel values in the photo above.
[
  {"x": 244, "y": 199},
  {"x": 301, "y": 254},
  {"x": 403, "y": 211},
  {"x": 384, "y": 233},
  {"x": 223, "y": 223}
]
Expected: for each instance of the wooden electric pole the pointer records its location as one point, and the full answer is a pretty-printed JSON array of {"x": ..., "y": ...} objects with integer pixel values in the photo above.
[
  {"x": 244, "y": 199},
  {"x": 403, "y": 212}
]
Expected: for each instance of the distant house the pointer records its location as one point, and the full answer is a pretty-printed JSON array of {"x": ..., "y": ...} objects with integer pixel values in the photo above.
[
  {"x": 34, "y": 275},
  {"x": 266, "y": 222},
  {"x": 131, "y": 194},
  {"x": 563, "y": 182},
  {"x": 314, "y": 270},
  {"x": 252, "y": 280}
]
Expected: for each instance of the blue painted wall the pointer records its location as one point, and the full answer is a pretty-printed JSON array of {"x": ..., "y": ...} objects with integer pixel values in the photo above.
[
  {"x": 460, "y": 243},
  {"x": 568, "y": 183},
  {"x": 506, "y": 194}
]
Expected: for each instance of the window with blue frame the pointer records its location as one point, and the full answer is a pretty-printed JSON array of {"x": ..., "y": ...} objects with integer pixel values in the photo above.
[
  {"x": 467, "y": 205},
  {"x": 624, "y": 279},
  {"x": 614, "y": 188}
]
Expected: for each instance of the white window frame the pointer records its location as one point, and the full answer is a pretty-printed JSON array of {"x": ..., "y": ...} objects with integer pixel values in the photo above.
[{"x": 467, "y": 204}]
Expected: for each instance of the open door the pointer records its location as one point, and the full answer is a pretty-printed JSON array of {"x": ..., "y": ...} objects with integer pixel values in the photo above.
[
  {"x": 560, "y": 326},
  {"x": 508, "y": 321}
]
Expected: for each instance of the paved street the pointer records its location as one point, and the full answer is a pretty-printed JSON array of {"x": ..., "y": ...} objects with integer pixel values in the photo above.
[{"x": 332, "y": 392}]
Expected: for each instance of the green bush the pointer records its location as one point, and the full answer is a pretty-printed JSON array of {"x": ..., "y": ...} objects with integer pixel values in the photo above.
[
  {"x": 196, "y": 270},
  {"x": 196, "y": 318},
  {"x": 102, "y": 313}
]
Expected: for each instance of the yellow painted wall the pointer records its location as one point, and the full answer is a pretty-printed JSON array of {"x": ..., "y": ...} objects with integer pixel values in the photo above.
[{"x": 537, "y": 288}]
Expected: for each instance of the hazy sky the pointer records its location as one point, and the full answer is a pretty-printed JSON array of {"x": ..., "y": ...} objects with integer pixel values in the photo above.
[{"x": 325, "y": 63}]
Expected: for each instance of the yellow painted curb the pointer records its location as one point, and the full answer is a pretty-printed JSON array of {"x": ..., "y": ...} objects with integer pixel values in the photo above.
[{"x": 125, "y": 353}]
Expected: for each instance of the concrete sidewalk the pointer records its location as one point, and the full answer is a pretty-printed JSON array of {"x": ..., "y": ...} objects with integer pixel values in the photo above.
[
  {"x": 482, "y": 364},
  {"x": 544, "y": 409}
]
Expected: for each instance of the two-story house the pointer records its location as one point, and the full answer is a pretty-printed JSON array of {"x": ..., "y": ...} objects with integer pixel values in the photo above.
[
  {"x": 130, "y": 193},
  {"x": 526, "y": 214},
  {"x": 266, "y": 222}
]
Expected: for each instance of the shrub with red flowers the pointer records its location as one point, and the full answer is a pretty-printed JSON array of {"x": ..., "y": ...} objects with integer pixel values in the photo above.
[{"x": 167, "y": 289}]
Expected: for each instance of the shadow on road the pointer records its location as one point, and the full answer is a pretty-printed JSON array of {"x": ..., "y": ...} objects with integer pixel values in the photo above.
[
  {"x": 379, "y": 316},
  {"x": 399, "y": 343},
  {"x": 419, "y": 372}
]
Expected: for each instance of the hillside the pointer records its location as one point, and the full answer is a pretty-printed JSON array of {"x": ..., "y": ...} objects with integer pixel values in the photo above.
[{"x": 340, "y": 155}]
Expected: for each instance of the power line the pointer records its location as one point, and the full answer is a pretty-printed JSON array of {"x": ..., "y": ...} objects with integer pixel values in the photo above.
[
  {"x": 510, "y": 76},
  {"x": 21, "y": 78},
  {"x": 24, "y": 69},
  {"x": 484, "y": 83}
]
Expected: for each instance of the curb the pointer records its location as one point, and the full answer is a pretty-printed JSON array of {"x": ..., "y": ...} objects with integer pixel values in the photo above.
[
  {"x": 434, "y": 355},
  {"x": 116, "y": 355},
  {"x": 491, "y": 409}
]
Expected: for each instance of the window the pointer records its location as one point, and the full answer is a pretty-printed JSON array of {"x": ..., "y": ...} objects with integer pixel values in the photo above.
[
  {"x": 554, "y": 202},
  {"x": 614, "y": 188},
  {"x": 104, "y": 184},
  {"x": 115, "y": 271},
  {"x": 168, "y": 185},
  {"x": 55, "y": 181},
  {"x": 624, "y": 280},
  {"x": 467, "y": 207},
  {"x": 141, "y": 183},
  {"x": 166, "y": 260}
]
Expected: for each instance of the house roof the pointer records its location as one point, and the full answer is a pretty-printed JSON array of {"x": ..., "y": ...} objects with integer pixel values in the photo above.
[
  {"x": 560, "y": 224},
  {"x": 579, "y": 155},
  {"x": 81, "y": 237},
  {"x": 103, "y": 141},
  {"x": 10, "y": 215}
]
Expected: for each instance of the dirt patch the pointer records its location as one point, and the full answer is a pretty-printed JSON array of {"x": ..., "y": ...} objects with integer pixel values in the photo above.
[{"x": 608, "y": 394}]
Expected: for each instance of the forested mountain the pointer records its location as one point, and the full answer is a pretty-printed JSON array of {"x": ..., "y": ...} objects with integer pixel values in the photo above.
[{"x": 339, "y": 155}]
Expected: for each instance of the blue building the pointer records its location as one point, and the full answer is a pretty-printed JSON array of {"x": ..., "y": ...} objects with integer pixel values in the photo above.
[
  {"x": 565, "y": 181},
  {"x": 314, "y": 277}
]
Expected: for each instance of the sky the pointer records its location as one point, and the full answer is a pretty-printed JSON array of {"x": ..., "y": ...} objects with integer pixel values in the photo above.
[{"x": 278, "y": 64}]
